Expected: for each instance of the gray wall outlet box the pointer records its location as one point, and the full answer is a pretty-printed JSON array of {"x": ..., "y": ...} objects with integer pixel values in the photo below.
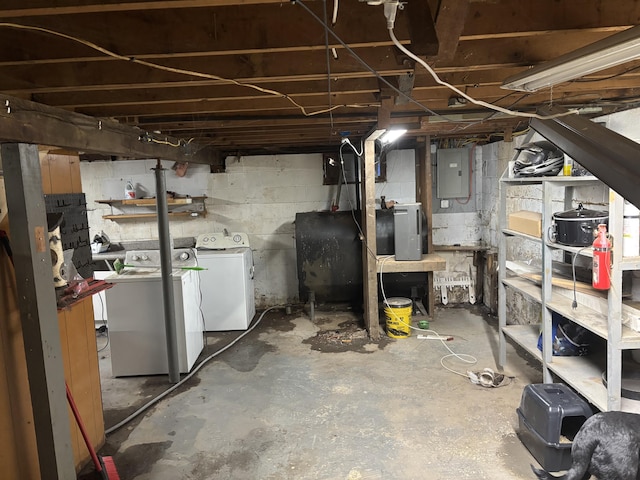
[
  {"x": 452, "y": 173},
  {"x": 407, "y": 222}
]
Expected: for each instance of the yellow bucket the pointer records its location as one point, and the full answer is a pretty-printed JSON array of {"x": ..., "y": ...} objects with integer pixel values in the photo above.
[{"x": 398, "y": 314}]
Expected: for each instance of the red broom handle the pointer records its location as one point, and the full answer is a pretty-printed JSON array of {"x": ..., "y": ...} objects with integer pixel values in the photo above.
[{"x": 76, "y": 414}]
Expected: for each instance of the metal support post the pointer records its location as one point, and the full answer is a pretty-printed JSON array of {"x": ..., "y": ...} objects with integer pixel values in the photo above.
[
  {"x": 38, "y": 310},
  {"x": 168, "y": 300}
]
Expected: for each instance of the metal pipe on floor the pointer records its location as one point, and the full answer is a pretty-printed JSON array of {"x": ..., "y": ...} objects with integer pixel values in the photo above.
[
  {"x": 312, "y": 306},
  {"x": 167, "y": 279}
]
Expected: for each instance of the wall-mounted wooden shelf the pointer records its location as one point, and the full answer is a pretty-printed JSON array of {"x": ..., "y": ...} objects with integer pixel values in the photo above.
[
  {"x": 187, "y": 207},
  {"x": 430, "y": 262}
]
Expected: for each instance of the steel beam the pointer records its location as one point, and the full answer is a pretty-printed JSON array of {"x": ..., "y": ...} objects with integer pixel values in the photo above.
[{"x": 38, "y": 310}]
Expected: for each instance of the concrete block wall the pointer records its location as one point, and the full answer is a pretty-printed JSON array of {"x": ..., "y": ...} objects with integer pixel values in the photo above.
[
  {"x": 107, "y": 180},
  {"x": 625, "y": 123},
  {"x": 401, "y": 178},
  {"x": 262, "y": 194},
  {"x": 259, "y": 195}
]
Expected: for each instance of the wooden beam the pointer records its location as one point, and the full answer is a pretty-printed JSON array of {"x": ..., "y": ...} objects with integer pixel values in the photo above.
[
  {"x": 25, "y": 121},
  {"x": 369, "y": 245},
  {"x": 229, "y": 30},
  {"x": 71, "y": 7},
  {"x": 424, "y": 40},
  {"x": 384, "y": 112},
  {"x": 200, "y": 123},
  {"x": 489, "y": 16},
  {"x": 168, "y": 94},
  {"x": 489, "y": 56},
  {"x": 450, "y": 22},
  {"x": 254, "y": 69},
  {"x": 424, "y": 195}
]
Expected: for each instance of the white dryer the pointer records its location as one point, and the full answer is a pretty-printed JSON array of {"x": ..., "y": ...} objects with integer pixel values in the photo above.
[{"x": 228, "y": 297}]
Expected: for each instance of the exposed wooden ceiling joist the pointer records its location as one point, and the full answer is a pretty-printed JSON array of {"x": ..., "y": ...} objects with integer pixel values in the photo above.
[{"x": 279, "y": 47}]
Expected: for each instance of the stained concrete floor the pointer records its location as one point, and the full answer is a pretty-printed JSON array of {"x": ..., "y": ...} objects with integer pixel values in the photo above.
[{"x": 297, "y": 399}]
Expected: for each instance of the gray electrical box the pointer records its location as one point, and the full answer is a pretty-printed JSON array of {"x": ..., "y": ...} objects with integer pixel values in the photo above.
[
  {"x": 452, "y": 173},
  {"x": 407, "y": 226}
]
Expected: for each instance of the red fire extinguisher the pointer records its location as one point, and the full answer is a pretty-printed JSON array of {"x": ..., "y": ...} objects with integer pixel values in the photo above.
[{"x": 602, "y": 259}]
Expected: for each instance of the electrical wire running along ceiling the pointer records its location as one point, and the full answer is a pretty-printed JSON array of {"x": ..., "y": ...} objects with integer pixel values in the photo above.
[{"x": 265, "y": 76}]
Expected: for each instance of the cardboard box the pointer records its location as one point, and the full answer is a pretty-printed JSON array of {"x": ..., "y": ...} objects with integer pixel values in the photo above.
[{"x": 526, "y": 222}]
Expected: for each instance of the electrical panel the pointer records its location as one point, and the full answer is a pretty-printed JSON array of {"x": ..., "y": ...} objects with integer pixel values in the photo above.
[{"x": 453, "y": 173}]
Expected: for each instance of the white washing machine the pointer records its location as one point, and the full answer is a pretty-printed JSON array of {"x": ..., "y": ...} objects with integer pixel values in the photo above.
[
  {"x": 136, "y": 314},
  {"x": 100, "y": 300},
  {"x": 228, "y": 297}
]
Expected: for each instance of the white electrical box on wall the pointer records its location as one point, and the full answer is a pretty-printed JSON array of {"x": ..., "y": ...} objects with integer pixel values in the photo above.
[{"x": 452, "y": 173}]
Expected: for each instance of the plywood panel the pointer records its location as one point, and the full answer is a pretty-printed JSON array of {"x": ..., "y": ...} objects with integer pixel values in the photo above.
[
  {"x": 18, "y": 450},
  {"x": 97, "y": 435},
  {"x": 60, "y": 172},
  {"x": 66, "y": 360},
  {"x": 77, "y": 335}
]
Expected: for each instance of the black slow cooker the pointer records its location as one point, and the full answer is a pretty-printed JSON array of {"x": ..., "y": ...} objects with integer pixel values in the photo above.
[{"x": 576, "y": 227}]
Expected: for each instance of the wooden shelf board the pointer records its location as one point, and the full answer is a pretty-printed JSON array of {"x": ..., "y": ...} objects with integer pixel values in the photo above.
[
  {"x": 430, "y": 263},
  {"x": 534, "y": 274},
  {"x": 526, "y": 336},
  {"x": 460, "y": 248},
  {"x": 586, "y": 251},
  {"x": 149, "y": 202},
  {"x": 515, "y": 233},
  {"x": 560, "y": 180},
  {"x": 526, "y": 287},
  {"x": 592, "y": 320},
  {"x": 630, "y": 263},
  {"x": 126, "y": 216},
  {"x": 584, "y": 316},
  {"x": 583, "y": 374}
]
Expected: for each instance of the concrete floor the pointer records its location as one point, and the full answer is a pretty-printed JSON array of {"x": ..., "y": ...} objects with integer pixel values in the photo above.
[{"x": 297, "y": 399}]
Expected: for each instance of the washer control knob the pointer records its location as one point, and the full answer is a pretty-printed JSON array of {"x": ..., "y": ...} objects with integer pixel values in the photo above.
[
  {"x": 135, "y": 258},
  {"x": 145, "y": 257},
  {"x": 184, "y": 256}
]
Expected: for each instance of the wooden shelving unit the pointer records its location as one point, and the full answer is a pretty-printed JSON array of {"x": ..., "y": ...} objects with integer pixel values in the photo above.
[
  {"x": 583, "y": 373},
  {"x": 136, "y": 208}
]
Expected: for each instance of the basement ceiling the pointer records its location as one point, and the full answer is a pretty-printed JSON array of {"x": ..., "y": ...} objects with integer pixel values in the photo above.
[{"x": 265, "y": 76}]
